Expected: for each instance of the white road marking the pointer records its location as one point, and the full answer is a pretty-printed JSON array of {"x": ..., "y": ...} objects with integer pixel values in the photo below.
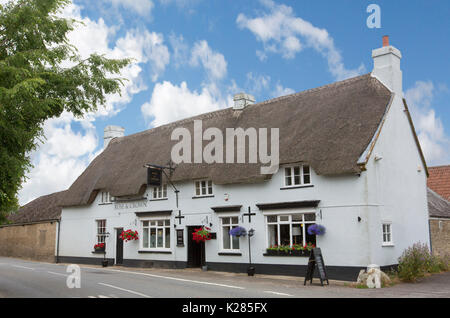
[
  {"x": 19, "y": 266},
  {"x": 277, "y": 293},
  {"x": 101, "y": 296},
  {"x": 59, "y": 274},
  {"x": 92, "y": 297},
  {"x": 127, "y": 290},
  {"x": 173, "y": 278}
]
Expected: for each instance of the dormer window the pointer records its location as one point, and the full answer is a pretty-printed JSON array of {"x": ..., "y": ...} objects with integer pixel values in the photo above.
[
  {"x": 203, "y": 188},
  {"x": 297, "y": 176},
  {"x": 159, "y": 193},
  {"x": 105, "y": 197}
]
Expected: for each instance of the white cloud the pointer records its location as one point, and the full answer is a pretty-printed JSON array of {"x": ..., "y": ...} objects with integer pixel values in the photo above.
[
  {"x": 141, "y": 7},
  {"x": 61, "y": 158},
  {"x": 213, "y": 62},
  {"x": 256, "y": 83},
  {"x": 281, "y": 91},
  {"x": 171, "y": 102},
  {"x": 67, "y": 151},
  {"x": 433, "y": 140},
  {"x": 282, "y": 32}
]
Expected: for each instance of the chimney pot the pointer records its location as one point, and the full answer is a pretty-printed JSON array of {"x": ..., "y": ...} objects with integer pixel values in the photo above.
[
  {"x": 386, "y": 66},
  {"x": 241, "y": 100},
  {"x": 111, "y": 132}
]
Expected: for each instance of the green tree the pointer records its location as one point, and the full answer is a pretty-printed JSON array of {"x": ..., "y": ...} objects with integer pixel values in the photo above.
[{"x": 42, "y": 75}]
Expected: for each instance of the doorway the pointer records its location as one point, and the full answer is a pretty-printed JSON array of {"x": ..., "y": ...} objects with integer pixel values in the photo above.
[
  {"x": 196, "y": 251},
  {"x": 119, "y": 247}
]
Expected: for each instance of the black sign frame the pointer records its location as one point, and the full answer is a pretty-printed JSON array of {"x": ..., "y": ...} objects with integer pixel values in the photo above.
[
  {"x": 154, "y": 176},
  {"x": 316, "y": 260}
]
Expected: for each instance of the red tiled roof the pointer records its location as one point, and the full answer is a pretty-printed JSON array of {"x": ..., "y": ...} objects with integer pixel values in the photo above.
[{"x": 439, "y": 180}]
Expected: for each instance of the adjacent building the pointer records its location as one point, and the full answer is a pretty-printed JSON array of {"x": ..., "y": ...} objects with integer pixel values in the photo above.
[
  {"x": 439, "y": 209},
  {"x": 32, "y": 232}
]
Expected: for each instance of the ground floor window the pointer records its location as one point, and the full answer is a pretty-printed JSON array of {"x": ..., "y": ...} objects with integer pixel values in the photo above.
[
  {"x": 387, "y": 234},
  {"x": 290, "y": 229},
  {"x": 101, "y": 231},
  {"x": 229, "y": 242},
  {"x": 156, "y": 234}
]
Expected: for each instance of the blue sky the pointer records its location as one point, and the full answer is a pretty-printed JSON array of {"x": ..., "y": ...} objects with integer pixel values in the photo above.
[{"x": 192, "y": 56}]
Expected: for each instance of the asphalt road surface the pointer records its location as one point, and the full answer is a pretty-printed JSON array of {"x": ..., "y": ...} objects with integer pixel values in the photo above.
[{"x": 28, "y": 279}]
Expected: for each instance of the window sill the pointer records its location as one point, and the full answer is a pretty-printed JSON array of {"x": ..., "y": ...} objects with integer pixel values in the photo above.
[
  {"x": 229, "y": 253},
  {"x": 286, "y": 255},
  {"x": 154, "y": 252},
  {"x": 387, "y": 245},
  {"x": 203, "y": 196},
  {"x": 106, "y": 203},
  {"x": 160, "y": 199},
  {"x": 297, "y": 187}
]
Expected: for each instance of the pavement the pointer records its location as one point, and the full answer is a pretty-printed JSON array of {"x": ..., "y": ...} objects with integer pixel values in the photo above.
[{"x": 28, "y": 279}]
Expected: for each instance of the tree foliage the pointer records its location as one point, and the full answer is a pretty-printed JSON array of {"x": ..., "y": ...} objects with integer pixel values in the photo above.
[{"x": 42, "y": 75}]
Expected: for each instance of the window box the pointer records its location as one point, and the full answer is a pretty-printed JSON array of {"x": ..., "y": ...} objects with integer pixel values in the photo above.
[{"x": 287, "y": 252}]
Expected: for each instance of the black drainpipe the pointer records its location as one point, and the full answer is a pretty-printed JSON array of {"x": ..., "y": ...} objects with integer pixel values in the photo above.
[{"x": 57, "y": 246}]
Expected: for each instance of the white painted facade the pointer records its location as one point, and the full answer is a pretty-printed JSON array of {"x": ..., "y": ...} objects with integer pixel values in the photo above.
[{"x": 353, "y": 208}]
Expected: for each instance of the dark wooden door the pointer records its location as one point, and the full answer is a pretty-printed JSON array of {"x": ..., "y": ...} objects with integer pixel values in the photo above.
[
  {"x": 196, "y": 251},
  {"x": 119, "y": 247}
]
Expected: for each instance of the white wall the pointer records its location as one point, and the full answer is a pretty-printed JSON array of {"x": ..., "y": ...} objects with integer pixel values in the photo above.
[
  {"x": 343, "y": 199},
  {"x": 399, "y": 183}
]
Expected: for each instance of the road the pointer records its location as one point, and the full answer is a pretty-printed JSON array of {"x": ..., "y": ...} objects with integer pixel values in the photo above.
[{"x": 28, "y": 279}]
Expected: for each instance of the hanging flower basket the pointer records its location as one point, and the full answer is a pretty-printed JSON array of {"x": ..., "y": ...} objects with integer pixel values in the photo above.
[
  {"x": 316, "y": 229},
  {"x": 238, "y": 231},
  {"x": 100, "y": 247},
  {"x": 201, "y": 234},
  {"x": 129, "y": 235}
]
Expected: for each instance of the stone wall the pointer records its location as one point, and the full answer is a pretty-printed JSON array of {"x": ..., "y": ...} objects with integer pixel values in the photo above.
[
  {"x": 440, "y": 236},
  {"x": 31, "y": 241}
]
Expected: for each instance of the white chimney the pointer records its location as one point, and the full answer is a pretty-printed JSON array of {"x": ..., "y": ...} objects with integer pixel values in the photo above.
[
  {"x": 386, "y": 66},
  {"x": 111, "y": 132},
  {"x": 241, "y": 100}
]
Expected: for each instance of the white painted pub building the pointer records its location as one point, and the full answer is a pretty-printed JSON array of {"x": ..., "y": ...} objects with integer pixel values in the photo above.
[{"x": 349, "y": 161}]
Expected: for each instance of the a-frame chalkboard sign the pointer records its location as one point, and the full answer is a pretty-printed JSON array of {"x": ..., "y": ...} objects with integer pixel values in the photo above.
[{"x": 316, "y": 259}]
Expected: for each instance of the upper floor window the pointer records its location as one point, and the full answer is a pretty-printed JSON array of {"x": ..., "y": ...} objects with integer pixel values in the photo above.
[
  {"x": 160, "y": 192},
  {"x": 203, "y": 188},
  {"x": 101, "y": 231},
  {"x": 106, "y": 197},
  {"x": 297, "y": 175}
]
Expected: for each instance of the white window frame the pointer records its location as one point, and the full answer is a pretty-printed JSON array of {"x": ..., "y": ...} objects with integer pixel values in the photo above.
[
  {"x": 388, "y": 232},
  {"x": 208, "y": 186},
  {"x": 292, "y": 176},
  {"x": 164, "y": 227},
  {"x": 159, "y": 193},
  {"x": 100, "y": 231},
  {"x": 228, "y": 250},
  {"x": 105, "y": 197},
  {"x": 290, "y": 222}
]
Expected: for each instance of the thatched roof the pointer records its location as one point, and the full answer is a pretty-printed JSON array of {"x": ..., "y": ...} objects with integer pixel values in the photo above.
[
  {"x": 327, "y": 127},
  {"x": 438, "y": 207},
  {"x": 44, "y": 208}
]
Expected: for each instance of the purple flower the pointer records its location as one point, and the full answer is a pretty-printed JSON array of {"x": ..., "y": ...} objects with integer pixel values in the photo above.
[
  {"x": 316, "y": 229},
  {"x": 238, "y": 231}
]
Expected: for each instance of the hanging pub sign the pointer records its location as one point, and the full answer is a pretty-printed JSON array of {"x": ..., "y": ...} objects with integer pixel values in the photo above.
[
  {"x": 154, "y": 176},
  {"x": 316, "y": 259}
]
